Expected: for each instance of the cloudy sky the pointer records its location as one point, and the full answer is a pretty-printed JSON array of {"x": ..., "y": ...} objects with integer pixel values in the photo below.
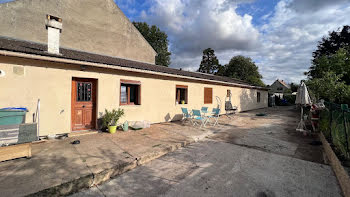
[{"x": 279, "y": 35}]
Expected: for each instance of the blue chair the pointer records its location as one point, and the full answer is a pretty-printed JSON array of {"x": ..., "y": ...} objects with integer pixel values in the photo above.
[
  {"x": 185, "y": 114},
  {"x": 215, "y": 114},
  {"x": 204, "y": 110},
  {"x": 196, "y": 115}
]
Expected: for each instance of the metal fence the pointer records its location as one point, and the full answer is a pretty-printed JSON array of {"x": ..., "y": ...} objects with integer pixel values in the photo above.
[{"x": 334, "y": 123}]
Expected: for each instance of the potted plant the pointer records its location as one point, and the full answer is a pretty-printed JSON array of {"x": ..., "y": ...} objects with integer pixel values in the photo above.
[{"x": 110, "y": 119}]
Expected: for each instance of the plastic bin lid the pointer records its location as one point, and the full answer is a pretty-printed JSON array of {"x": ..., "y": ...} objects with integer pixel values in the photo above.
[{"x": 15, "y": 108}]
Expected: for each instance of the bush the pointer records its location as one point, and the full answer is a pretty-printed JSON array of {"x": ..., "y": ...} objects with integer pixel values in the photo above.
[
  {"x": 290, "y": 98},
  {"x": 110, "y": 118}
]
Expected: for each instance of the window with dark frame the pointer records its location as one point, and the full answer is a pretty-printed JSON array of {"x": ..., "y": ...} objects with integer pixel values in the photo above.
[
  {"x": 130, "y": 92},
  {"x": 181, "y": 94},
  {"x": 258, "y": 97},
  {"x": 84, "y": 91},
  {"x": 208, "y": 95}
]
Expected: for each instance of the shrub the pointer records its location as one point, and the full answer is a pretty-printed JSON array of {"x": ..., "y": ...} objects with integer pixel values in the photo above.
[{"x": 110, "y": 118}]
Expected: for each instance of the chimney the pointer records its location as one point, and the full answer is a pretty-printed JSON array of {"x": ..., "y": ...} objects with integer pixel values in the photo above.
[{"x": 54, "y": 29}]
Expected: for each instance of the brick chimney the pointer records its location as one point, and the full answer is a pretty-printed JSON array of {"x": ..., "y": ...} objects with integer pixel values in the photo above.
[{"x": 54, "y": 29}]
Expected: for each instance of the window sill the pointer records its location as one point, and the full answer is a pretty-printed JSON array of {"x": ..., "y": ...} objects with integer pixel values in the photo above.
[{"x": 129, "y": 105}]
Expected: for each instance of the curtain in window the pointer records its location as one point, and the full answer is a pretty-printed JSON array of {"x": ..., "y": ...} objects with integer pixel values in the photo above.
[{"x": 123, "y": 95}]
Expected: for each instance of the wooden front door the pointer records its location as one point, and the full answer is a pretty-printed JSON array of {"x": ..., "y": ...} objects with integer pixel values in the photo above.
[{"x": 83, "y": 104}]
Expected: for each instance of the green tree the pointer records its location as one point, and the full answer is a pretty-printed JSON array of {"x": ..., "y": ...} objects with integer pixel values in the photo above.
[
  {"x": 339, "y": 63},
  {"x": 242, "y": 68},
  {"x": 294, "y": 87},
  {"x": 332, "y": 54},
  {"x": 209, "y": 63},
  {"x": 158, "y": 40},
  {"x": 332, "y": 43},
  {"x": 330, "y": 87}
]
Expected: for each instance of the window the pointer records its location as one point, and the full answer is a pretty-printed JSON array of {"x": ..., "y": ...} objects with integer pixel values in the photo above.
[
  {"x": 228, "y": 93},
  {"x": 258, "y": 97},
  {"x": 130, "y": 92},
  {"x": 84, "y": 91},
  {"x": 208, "y": 95},
  {"x": 279, "y": 88},
  {"x": 181, "y": 94}
]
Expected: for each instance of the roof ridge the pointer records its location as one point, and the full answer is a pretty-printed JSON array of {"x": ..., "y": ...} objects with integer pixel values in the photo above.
[{"x": 24, "y": 46}]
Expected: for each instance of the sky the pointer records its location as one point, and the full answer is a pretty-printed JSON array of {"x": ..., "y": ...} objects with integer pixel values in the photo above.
[{"x": 279, "y": 35}]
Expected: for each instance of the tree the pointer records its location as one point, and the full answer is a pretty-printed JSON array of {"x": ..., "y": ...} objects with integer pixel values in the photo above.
[
  {"x": 339, "y": 63},
  {"x": 242, "y": 68},
  {"x": 294, "y": 87},
  {"x": 332, "y": 54},
  {"x": 157, "y": 39},
  {"x": 330, "y": 45},
  {"x": 330, "y": 87},
  {"x": 209, "y": 63}
]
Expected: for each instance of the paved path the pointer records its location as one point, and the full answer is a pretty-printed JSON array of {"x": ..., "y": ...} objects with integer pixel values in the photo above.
[
  {"x": 215, "y": 168},
  {"x": 247, "y": 156}
]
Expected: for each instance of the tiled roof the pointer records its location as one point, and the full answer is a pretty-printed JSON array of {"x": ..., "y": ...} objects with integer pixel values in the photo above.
[
  {"x": 14, "y": 45},
  {"x": 283, "y": 83}
]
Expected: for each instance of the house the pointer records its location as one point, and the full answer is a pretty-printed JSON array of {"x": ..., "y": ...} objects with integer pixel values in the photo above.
[
  {"x": 279, "y": 87},
  {"x": 84, "y": 56}
]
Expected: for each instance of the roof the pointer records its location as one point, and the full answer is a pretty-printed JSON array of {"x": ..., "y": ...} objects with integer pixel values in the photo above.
[
  {"x": 283, "y": 83},
  {"x": 27, "y": 47}
]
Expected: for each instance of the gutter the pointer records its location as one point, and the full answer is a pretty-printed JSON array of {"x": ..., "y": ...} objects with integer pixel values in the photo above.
[{"x": 77, "y": 62}]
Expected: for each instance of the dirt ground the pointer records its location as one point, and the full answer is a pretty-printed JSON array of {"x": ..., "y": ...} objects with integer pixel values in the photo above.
[{"x": 274, "y": 133}]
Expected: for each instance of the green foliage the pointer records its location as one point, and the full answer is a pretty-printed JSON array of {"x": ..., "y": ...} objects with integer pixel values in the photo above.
[
  {"x": 209, "y": 63},
  {"x": 339, "y": 63},
  {"x": 290, "y": 98},
  {"x": 242, "y": 68},
  {"x": 157, "y": 39},
  {"x": 110, "y": 118},
  {"x": 331, "y": 44},
  {"x": 329, "y": 74},
  {"x": 294, "y": 87},
  {"x": 330, "y": 87}
]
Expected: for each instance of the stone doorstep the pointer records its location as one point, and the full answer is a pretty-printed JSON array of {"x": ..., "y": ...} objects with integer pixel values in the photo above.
[
  {"x": 93, "y": 179},
  {"x": 339, "y": 171}
]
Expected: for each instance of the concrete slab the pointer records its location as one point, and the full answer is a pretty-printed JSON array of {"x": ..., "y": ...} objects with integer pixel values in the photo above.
[
  {"x": 221, "y": 169},
  {"x": 51, "y": 164},
  {"x": 101, "y": 156},
  {"x": 57, "y": 166}
]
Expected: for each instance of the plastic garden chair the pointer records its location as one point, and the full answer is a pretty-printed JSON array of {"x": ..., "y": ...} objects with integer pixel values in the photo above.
[
  {"x": 185, "y": 114},
  {"x": 204, "y": 110},
  {"x": 196, "y": 115},
  {"x": 215, "y": 114}
]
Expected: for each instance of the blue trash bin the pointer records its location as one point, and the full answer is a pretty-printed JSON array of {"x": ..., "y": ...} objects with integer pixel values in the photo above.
[{"x": 12, "y": 115}]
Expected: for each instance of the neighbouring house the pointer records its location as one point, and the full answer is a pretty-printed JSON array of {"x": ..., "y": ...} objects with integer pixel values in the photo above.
[
  {"x": 279, "y": 87},
  {"x": 84, "y": 56}
]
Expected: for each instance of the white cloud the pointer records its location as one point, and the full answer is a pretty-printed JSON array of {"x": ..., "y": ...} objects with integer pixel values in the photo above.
[
  {"x": 194, "y": 25},
  {"x": 282, "y": 47},
  {"x": 290, "y": 38}
]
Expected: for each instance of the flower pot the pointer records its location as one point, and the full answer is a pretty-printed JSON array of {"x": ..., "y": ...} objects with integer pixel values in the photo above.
[{"x": 112, "y": 129}]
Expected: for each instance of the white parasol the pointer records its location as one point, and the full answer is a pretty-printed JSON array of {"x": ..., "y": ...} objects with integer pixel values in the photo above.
[{"x": 303, "y": 99}]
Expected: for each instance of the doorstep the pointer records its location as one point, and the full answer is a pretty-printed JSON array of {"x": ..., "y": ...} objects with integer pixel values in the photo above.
[{"x": 81, "y": 133}]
